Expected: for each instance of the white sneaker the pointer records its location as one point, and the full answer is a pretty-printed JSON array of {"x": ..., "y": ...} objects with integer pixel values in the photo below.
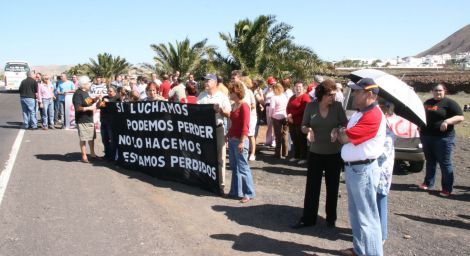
[
  {"x": 252, "y": 158},
  {"x": 293, "y": 159},
  {"x": 302, "y": 162}
]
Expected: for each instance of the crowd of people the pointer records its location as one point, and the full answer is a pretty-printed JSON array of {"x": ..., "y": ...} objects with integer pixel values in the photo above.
[{"x": 306, "y": 122}]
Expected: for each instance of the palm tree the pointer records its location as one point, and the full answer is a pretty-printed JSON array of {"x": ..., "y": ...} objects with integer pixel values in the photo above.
[
  {"x": 181, "y": 56},
  {"x": 107, "y": 66},
  {"x": 79, "y": 69},
  {"x": 265, "y": 47}
]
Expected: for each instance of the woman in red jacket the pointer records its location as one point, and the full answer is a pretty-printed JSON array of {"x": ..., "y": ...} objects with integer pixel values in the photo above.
[
  {"x": 295, "y": 112},
  {"x": 242, "y": 180}
]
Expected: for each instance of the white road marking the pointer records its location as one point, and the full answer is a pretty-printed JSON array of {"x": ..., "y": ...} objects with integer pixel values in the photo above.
[{"x": 5, "y": 174}]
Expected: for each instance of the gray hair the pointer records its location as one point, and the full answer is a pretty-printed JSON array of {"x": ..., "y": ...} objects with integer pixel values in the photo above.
[
  {"x": 318, "y": 78},
  {"x": 83, "y": 80}
]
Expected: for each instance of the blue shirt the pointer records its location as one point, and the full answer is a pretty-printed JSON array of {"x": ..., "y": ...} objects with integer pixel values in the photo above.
[{"x": 65, "y": 87}]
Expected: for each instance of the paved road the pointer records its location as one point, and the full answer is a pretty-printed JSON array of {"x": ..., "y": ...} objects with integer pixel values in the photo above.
[
  {"x": 55, "y": 205},
  {"x": 10, "y": 120}
]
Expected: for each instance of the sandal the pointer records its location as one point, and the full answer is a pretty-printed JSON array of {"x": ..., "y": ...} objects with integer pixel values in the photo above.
[
  {"x": 245, "y": 200},
  {"x": 84, "y": 161},
  {"x": 96, "y": 157}
]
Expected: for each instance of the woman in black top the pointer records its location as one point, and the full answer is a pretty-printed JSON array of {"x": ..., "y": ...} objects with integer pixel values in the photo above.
[
  {"x": 106, "y": 121},
  {"x": 438, "y": 138}
]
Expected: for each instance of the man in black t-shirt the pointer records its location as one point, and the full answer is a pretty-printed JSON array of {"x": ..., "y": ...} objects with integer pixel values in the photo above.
[
  {"x": 28, "y": 90},
  {"x": 84, "y": 109}
]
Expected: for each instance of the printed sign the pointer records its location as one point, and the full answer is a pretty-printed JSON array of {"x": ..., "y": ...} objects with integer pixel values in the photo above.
[{"x": 168, "y": 140}]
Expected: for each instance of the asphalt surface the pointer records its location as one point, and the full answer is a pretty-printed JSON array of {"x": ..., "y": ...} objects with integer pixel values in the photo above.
[
  {"x": 56, "y": 205},
  {"x": 10, "y": 120}
]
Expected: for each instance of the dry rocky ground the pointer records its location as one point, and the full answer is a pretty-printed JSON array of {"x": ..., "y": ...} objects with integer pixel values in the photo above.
[{"x": 420, "y": 223}]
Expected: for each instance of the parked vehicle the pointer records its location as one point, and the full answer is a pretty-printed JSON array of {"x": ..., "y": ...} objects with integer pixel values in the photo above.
[
  {"x": 15, "y": 72},
  {"x": 408, "y": 147}
]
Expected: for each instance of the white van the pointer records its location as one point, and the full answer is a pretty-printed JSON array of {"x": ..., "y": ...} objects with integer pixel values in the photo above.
[{"x": 15, "y": 72}]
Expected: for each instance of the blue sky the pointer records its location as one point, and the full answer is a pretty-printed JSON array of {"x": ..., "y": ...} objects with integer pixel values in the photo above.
[{"x": 70, "y": 32}]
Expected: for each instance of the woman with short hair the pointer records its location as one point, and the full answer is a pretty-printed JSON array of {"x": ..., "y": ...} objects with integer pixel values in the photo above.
[
  {"x": 321, "y": 121},
  {"x": 295, "y": 112},
  {"x": 152, "y": 92},
  {"x": 106, "y": 119},
  {"x": 242, "y": 180}
]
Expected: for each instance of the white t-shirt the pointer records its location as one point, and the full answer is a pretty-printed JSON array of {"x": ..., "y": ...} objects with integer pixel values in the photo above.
[
  {"x": 268, "y": 93},
  {"x": 251, "y": 101},
  {"x": 288, "y": 93},
  {"x": 217, "y": 98},
  {"x": 158, "y": 82}
]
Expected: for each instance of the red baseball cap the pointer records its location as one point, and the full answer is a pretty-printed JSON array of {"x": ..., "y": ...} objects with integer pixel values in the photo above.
[{"x": 271, "y": 80}]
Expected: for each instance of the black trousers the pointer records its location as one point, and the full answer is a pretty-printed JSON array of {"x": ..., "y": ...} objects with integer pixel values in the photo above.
[
  {"x": 280, "y": 131},
  {"x": 299, "y": 141},
  {"x": 331, "y": 165}
]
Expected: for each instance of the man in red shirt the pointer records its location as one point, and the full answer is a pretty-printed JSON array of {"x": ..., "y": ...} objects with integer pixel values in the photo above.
[{"x": 165, "y": 87}]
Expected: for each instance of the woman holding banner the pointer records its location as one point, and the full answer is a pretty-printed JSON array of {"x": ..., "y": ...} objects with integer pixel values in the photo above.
[
  {"x": 106, "y": 123},
  {"x": 152, "y": 92},
  {"x": 242, "y": 180}
]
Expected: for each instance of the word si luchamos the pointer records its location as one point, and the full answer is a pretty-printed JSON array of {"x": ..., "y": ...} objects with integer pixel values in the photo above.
[
  {"x": 147, "y": 107},
  {"x": 175, "y": 161},
  {"x": 163, "y": 125}
]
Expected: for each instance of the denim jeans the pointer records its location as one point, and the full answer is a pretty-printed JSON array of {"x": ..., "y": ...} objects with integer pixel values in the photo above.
[
  {"x": 383, "y": 213},
  {"x": 362, "y": 181},
  {"x": 28, "y": 106},
  {"x": 439, "y": 150},
  {"x": 61, "y": 112},
  {"x": 107, "y": 139},
  {"x": 47, "y": 112},
  {"x": 242, "y": 181}
]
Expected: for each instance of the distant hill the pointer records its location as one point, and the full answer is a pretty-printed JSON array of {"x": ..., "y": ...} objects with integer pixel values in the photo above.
[
  {"x": 456, "y": 43},
  {"x": 51, "y": 69}
]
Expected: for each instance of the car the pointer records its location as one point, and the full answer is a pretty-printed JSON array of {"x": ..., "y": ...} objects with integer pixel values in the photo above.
[{"x": 408, "y": 147}]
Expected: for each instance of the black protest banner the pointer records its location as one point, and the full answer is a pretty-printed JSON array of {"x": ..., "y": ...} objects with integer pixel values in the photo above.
[{"x": 168, "y": 140}]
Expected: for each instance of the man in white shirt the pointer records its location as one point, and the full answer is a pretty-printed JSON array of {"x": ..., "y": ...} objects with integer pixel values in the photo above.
[
  {"x": 156, "y": 80},
  {"x": 363, "y": 141},
  {"x": 222, "y": 108}
]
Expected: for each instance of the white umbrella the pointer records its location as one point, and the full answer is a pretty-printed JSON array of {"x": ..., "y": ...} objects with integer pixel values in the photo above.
[{"x": 407, "y": 102}]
